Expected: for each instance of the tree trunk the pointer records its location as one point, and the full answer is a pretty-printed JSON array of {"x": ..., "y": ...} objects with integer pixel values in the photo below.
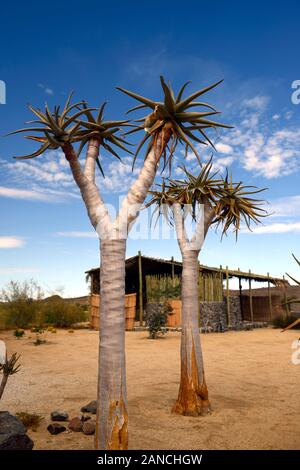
[
  {"x": 193, "y": 395},
  {"x": 111, "y": 429},
  {"x": 3, "y": 384}
]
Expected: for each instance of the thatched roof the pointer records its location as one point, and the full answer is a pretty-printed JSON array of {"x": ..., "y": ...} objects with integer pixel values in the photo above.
[{"x": 165, "y": 266}]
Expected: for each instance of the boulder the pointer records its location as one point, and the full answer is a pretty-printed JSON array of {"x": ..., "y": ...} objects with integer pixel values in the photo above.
[
  {"x": 85, "y": 418},
  {"x": 59, "y": 415},
  {"x": 75, "y": 425},
  {"x": 90, "y": 407},
  {"x": 56, "y": 428},
  {"x": 88, "y": 428},
  {"x": 13, "y": 433}
]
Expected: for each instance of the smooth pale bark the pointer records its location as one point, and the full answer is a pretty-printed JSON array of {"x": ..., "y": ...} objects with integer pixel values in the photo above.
[
  {"x": 193, "y": 393},
  {"x": 112, "y": 415},
  {"x": 139, "y": 189},
  {"x": 112, "y": 418}
]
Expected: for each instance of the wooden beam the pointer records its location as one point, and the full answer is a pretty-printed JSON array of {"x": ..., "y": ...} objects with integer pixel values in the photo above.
[
  {"x": 250, "y": 299},
  {"x": 141, "y": 308},
  {"x": 292, "y": 325},
  {"x": 287, "y": 311},
  {"x": 243, "y": 274},
  {"x": 227, "y": 298},
  {"x": 270, "y": 298}
]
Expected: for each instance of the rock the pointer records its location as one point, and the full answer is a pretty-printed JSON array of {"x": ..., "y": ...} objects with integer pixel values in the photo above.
[
  {"x": 59, "y": 415},
  {"x": 85, "y": 418},
  {"x": 90, "y": 407},
  {"x": 88, "y": 428},
  {"x": 75, "y": 425},
  {"x": 55, "y": 428},
  {"x": 13, "y": 433}
]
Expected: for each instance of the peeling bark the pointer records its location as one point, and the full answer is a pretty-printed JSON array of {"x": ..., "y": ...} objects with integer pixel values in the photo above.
[
  {"x": 193, "y": 393},
  {"x": 112, "y": 414}
]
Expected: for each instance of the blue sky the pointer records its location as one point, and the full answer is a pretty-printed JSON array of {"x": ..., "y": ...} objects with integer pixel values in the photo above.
[{"x": 91, "y": 48}]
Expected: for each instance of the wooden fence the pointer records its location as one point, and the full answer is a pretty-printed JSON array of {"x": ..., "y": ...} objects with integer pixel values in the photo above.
[
  {"x": 162, "y": 288},
  {"x": 130, "y": 311}
]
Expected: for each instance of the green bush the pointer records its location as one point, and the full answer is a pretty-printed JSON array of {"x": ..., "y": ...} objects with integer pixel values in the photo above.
[
  {"x": 23, "y": 306},
  {"x": 19, "y": 333},
  {"x": 157, "y": 316},
  {"x": 285, "y": 320},
  {"x": 21, "y": 303},
  {"x": 57, "y": 312}
]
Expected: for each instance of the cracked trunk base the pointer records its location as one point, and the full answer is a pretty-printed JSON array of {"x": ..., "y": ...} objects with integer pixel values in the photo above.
[{"x": 193, "y": 394}]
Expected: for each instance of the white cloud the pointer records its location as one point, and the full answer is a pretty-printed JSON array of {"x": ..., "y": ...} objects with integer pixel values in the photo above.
[
  {"x": 275, "y": 117},
  {"x": 223, "y": 148},
  {"x": 293, "y": 227},
  {"x": 17, "y": 270},
  {"x": 258, "y": 147},
  {"x": 118, "y": 176},
  {"x": 16, "y": 193},
  {"x": 257, "y": 102},
  {"x": 221, "y": 164},
  {"x": 46, "y": 179},
  {"x": 40, "y": 194},
  {"x": 11, "y": 242},
  {"x": 46, "y": 89},
  {"x": 77, "y": 234},
  {"x": 286, "y": 207},
  {"x": 288, "y": 115}
]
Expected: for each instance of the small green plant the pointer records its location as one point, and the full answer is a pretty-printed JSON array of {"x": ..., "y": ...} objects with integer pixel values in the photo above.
[
  {"x": 40, "y": 335},
  {"x": 30, "y": 420},
  {"x": 157, "y": 317},
  {"x": 19, "y": 333},
  {"x": 284, "y": 321}
]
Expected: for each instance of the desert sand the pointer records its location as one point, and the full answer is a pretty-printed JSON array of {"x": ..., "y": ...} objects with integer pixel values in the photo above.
[{"x": 254, "y": 389}]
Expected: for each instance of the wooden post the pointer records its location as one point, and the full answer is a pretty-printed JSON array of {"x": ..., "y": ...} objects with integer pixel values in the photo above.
[
  {"x": 241, "y": 300},
  {"x": 250, "y": 298},
  {"x": 228, "y": 298},
  {"x": 173, "y": 272},
  {"x": 270, "y": 298},
  {"x": 140, "y": 289},
  {"x": 285, "y": 298}
]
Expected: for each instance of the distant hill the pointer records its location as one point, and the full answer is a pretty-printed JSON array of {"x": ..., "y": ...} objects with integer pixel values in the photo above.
[{"x": 84, "y": 300}]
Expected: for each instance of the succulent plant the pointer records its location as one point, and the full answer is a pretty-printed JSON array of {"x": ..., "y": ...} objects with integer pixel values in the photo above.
[
  {"x": 60, "y": 128},
  {"x": 174, "y": 114},
  {"x": 235, "y": 203},
  {"x": 231, "y": 202},
  {"x": 56, "y": 128}
]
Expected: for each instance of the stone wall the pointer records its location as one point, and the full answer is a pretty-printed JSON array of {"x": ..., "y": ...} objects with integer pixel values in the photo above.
[
  {"x": 213, "y": 315},
  {"x": 235, "y": 311}
]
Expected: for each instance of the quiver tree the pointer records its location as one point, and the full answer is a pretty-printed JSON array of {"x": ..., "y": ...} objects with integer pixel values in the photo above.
[
  {"x": 170, "y": 122},
  {"x": 7, "y": 366},
  {"x": 210, "y": 201}
]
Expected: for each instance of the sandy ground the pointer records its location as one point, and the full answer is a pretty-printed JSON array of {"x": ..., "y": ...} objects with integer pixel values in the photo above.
[{"x": 254, "y": 389}]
